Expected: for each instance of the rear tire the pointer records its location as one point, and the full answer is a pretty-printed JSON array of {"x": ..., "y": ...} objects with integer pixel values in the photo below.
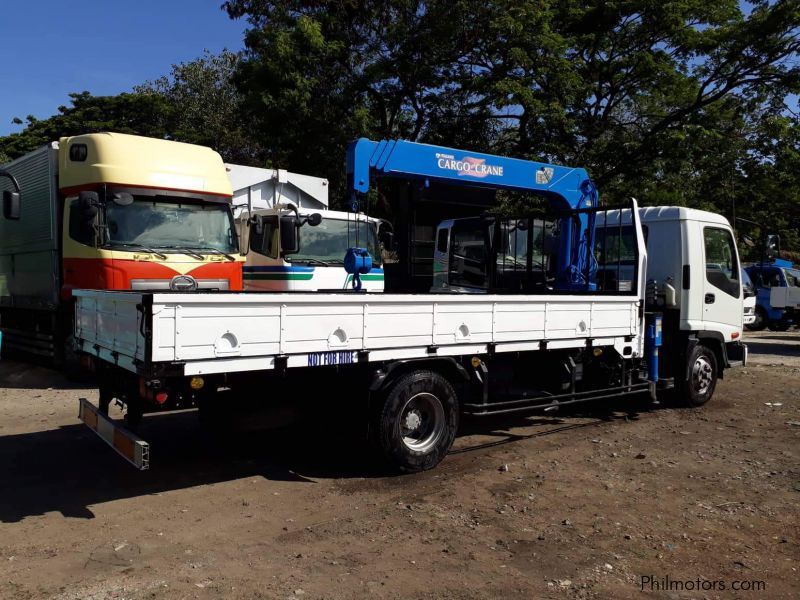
[
  {"x": 778, "y": 326},
  {"x": 761, "y": 320},
  {"x": 416, "y": 424},
  {"x": 702, "y": 377}
]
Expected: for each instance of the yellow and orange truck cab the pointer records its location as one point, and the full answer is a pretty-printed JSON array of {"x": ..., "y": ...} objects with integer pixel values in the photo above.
[{"x": 110, "y": 211}]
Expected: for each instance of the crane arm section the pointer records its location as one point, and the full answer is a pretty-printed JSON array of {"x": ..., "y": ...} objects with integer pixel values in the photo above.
[{"x": 566, "y": 187}]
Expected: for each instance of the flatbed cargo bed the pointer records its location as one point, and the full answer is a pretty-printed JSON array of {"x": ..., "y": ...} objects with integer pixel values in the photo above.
[{"x": 207, "y": 333}]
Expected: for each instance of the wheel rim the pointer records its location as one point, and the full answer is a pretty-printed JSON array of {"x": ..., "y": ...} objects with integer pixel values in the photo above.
[
  {"x": 422, "y": 422},
  {"x": 702, "y": 375}
]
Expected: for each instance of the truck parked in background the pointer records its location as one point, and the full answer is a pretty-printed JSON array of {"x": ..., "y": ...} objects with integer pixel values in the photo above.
[
  {"x": 266, "y": 201},
  {"x": 778, "y": 295},
  {"x": 109, "y": 211},
  {"x": 311, "y": 258},
  {"x": 750, "y": 294}
]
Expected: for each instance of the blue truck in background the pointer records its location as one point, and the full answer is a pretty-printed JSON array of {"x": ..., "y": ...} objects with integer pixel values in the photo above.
[{"x": 777, "y": 284}]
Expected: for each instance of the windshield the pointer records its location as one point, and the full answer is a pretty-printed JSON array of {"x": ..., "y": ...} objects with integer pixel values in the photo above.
[
  {"x": 515, "y": 253},
  {"x": 792, "y": 277},
  {"x": 171, "y": 223},
  {"x": 329, "y": 241}
]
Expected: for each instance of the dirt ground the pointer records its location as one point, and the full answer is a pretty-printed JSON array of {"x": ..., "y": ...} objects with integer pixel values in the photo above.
[{"x": 598, "y": 503}]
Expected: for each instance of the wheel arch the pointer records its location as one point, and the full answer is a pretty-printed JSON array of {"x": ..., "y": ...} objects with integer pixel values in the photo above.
[
  {"x": 446, "y": 366},
  {"x": 714, "y": 341}
]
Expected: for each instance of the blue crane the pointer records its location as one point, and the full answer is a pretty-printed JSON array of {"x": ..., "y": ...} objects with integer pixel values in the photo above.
[{"x": 568, "y": 189}]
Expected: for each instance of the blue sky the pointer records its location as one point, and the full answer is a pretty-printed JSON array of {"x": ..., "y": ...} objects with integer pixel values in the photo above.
[{"x": 53, "y": 47}]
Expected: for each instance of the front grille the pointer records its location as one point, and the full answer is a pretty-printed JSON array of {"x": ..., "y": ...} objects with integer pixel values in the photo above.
[{"x": 159, "y": 285}]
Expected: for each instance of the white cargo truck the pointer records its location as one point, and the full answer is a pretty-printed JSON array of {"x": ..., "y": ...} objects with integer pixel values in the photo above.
[{"x": 582, "y": 313}]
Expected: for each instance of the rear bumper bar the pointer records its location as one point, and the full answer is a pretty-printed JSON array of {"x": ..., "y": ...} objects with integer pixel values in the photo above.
[{"x": 129, "y": 446}]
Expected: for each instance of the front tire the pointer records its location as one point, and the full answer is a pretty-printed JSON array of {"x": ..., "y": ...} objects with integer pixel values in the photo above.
[
  {"x": 699, "y": 387},
  {"x": 415, "y": 426}
]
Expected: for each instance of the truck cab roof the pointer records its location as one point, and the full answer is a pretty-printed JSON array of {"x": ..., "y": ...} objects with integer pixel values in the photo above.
[{"x": 679, "y": 213}]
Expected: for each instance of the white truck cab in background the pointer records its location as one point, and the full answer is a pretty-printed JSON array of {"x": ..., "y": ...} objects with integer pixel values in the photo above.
[
  {"x": 318, "y": 262},
  {"x": 267, "y": 195}
]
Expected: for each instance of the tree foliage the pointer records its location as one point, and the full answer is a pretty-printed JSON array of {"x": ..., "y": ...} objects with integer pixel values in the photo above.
[
  {"x": 662, "y": 100},
  {"x": 206, "y": 106},
  {"x": 124, "y": 113},
  {"x": 196, "y": 103},
  {"x": 672, "y": 101}
]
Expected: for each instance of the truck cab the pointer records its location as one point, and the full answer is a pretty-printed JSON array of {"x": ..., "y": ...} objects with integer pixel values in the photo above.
[
  {"x": 311, "y": 257},
  {"x": 494, "y": 255},
  {"x": 110, "y": 211},
  {"x": 703, "y": 289}
]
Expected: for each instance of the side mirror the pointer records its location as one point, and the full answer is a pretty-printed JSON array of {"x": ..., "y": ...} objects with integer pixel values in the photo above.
[
  {"x": 290, "y": 235},
  {"x": 386, "y": 235},
  {"x": 12, "y": 201},
  {"x": 773, "y": 245},
  {"x": 88, "y": 204},
  {"x": 386, "y": 238},
  {"x": 314, "y": 219},
  {"x": 12, "y": 205},
  {"x": 88, "y": 210}
]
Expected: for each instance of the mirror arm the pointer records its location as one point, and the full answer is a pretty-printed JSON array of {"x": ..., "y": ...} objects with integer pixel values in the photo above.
[{"x": 14, "y": 182}]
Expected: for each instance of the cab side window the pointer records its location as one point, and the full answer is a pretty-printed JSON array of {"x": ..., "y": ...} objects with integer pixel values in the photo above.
[
  {"x": 722, "y": 265},
  {"x": 266, "y": 241}
]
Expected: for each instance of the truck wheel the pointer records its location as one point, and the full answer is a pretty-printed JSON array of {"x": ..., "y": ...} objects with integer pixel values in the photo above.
[
  {"x": 415, "y": 426},
  {"x": 699, "y": 387},
  {"x": 779, "y": 326},
  {"x": 761, "y": 320}
]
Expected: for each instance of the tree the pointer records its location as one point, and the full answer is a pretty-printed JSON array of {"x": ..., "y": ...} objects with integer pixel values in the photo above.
[
  {"x": 658, "y": 99},
  {"x": 196, "y": 103},
  {"x": 148, "y": 115},
  {"x": 206, "y": 106}
]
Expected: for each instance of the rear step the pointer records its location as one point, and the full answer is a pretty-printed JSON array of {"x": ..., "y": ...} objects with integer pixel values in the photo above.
[{"x": 128, "y": 445}]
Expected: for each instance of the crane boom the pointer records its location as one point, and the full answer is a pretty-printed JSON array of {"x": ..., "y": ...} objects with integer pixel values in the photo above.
[
  {"x": 566, "y": 188},
  {"x": 569, "y": 187}
]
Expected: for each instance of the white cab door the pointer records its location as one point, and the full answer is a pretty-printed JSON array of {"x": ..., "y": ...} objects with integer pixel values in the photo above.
[{"x": 722, "y": 285}]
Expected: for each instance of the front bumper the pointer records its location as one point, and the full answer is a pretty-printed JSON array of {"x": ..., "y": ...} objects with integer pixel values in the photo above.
[{"x": 737, "y": 354}]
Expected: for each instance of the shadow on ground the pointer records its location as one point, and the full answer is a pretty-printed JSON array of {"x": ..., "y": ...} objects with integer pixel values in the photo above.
[
  {"x": 31, "y": 376},
  {"x": 763, "y": 346},
  {"x": 69, "y": 469}
]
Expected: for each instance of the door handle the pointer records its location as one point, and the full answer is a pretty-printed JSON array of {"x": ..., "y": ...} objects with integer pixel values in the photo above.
[{"x": 710, "y": 298}]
